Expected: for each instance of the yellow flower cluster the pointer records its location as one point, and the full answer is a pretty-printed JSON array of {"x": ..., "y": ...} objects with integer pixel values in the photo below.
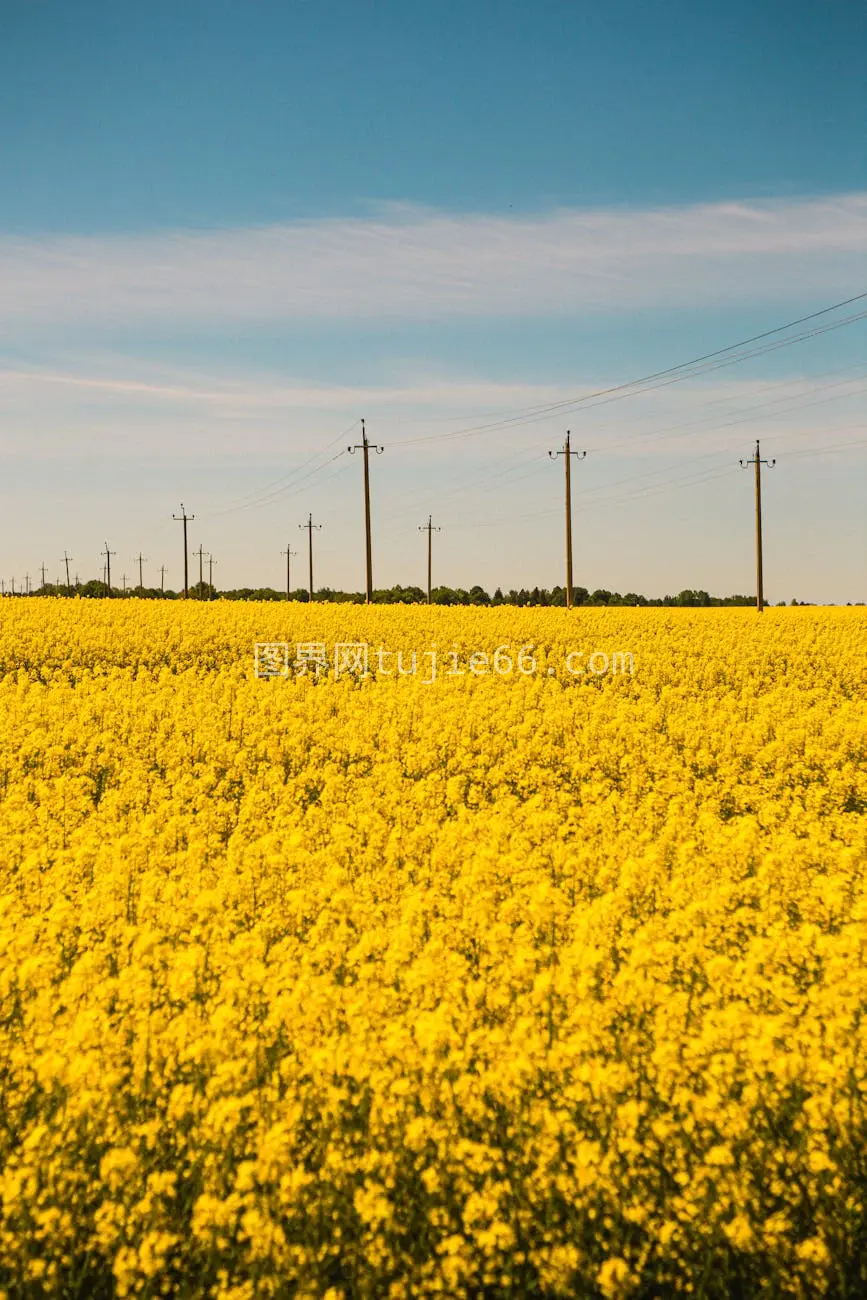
[{"x": 504, "y": 985}]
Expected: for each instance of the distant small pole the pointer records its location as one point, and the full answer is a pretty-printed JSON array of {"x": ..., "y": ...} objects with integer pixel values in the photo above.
[
  {"x": 162, "y": 577},
  {"x": 310, "y": 526},
  {"x": 123, "y": 580},
  {"x": 27, "y": 583},
  {"x": 186, "y": 519},
  {"x": 289, "y": 553},
  {"x": 201, "y": 578},
  {"x": 108, "y": 554},
  {"x": 211, "y": 563},
  {"x": 42, "y": 566},
  {"x": 66, "y": 559},
  {"x": 430, "y": 529},
  {"x": 366, "y": 447},
  {"x": 758, "y": 462},
  {"x": 140, "y": 558},
  {"x": 567, "y": 453},
  {"x": 13, "y": 586}
]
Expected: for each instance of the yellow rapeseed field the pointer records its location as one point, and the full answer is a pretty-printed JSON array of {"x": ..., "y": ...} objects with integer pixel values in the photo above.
[{"x": 540, "y": 982}]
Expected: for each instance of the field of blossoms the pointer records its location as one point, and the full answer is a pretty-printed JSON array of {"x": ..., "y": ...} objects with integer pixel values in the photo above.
[{"x": 538, "y": 983}]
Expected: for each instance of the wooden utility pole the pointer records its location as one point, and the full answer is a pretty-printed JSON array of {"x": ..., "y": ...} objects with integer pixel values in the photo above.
[
  {"x": 140, "y": 558},
  {"x": 66, "y": 559},
  {"x": 758, "y": 462},
  {"x": 211, "y": 563},
  {"x": 567, "y": 453},
  {"x": 108, "y": 554},
  {"x": 162, "y": 577},
  {"x": 123, "y": 580},
  {"x": 42, "y": 567},
  {"x": 186, "y": 519},
  {"x": 201, "y": 576},
  {"x": 366, "y": 447},
  {"x": 310, "y": 526},
  {"x": 289, "y": 553},
  {"x": 430, "y": 530}
]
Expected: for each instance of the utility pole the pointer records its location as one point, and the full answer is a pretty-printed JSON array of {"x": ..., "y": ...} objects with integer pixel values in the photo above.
[
  {"x": 758, "y": 462},
  {"x": 366, "y": 447},
  {"x": 123, "y": 580},
  {"x": 310, "y": 526},
  {"x": 186, "y": 519},
  {"x": 42, "y": 566},
  {"x": 27, "y": 583},
  {"x": 211, "y": 563},
  {"x": 66, "y": 559},
  {"x": 140, "y": 559},
  {"x": 13, "y": 586},
  {"x": 108, "y": 554},
  {"x": 162, "y": 577},
  {"x": 567, "y": 453},
  {"x": 289, "y": 553},
  {"x": 201, "y": 578},
  {"x": 430, "y": 530}
]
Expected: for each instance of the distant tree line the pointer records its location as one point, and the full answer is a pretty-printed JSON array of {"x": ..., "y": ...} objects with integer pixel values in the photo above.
[{"x": 541, "y": 596}]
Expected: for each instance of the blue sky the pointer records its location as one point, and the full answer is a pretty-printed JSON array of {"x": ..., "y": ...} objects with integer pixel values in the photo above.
[{"x": 227, "y": 230}]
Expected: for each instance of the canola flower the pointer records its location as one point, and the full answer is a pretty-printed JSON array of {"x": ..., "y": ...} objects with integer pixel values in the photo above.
[{"x": 543, "y": 985}]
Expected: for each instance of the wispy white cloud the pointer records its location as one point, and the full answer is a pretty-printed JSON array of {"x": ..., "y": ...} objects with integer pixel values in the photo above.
[
  {"x": 419, "y": 265},
  {"x": 130, "y": 409}
]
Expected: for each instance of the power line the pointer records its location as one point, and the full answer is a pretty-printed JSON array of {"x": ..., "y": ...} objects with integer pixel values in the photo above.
[
  {"x": 707, "y": 356},
  {"x": 528, "y": 461},
  {"x": 658, "y": 379},
  {"x": 271, "y": 492}
]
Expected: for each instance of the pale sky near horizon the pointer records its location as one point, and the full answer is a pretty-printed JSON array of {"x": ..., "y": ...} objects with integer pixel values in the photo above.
[{"x": 230, "y": 230}]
